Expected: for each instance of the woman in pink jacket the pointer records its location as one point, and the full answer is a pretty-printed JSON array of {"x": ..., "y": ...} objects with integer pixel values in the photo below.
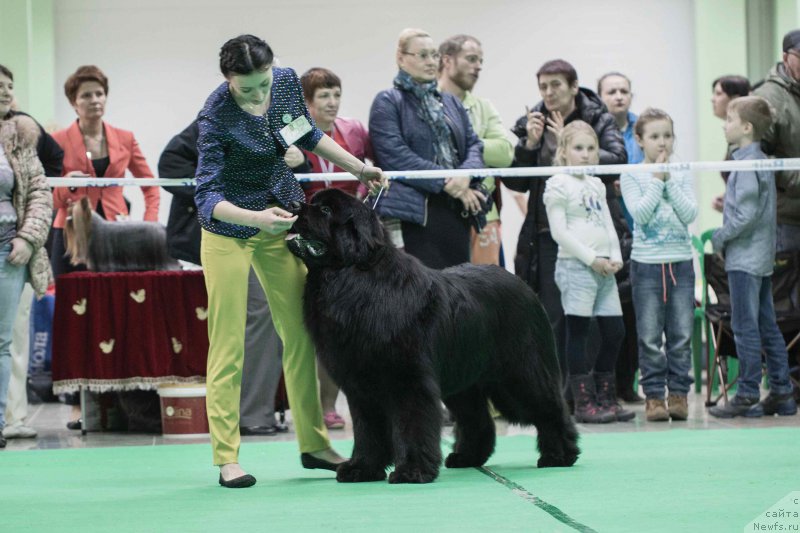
[{"x": 322, "y": 91}]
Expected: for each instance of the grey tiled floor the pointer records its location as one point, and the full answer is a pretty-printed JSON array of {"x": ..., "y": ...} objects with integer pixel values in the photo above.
[{"x": 49, "y": 420}]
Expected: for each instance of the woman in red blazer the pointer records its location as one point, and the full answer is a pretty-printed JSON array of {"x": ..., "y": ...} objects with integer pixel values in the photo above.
[{"x": 95, "y": 148}]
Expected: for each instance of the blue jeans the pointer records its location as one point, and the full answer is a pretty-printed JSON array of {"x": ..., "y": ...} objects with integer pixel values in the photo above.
[
  {"x": 12, "y": 280},
  {"x": 754, "y": 329},
  {"x": 663, "y": 298}
]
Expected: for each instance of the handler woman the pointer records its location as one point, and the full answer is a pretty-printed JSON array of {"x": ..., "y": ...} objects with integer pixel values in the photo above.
[{"x": 243, "y": 188}]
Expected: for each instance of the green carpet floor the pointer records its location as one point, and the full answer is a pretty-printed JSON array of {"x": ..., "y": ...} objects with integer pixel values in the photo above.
[{"x": 676, "y": 480}]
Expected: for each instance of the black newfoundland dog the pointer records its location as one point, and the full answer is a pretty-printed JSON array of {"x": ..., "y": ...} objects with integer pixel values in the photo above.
[{"x": 399, "y": 337}]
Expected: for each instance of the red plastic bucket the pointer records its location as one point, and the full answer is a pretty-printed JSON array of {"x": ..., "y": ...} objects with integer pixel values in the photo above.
[{"x": 183, "y": 411}]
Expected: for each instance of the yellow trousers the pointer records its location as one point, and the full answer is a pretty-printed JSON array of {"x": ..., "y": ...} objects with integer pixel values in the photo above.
[{"x": 226, "y": 264}]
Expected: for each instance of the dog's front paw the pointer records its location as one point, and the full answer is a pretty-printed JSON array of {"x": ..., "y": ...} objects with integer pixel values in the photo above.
[
  {"x": 546, "y": 461},
  {"x": 411, "y": 475},
  {"x": 460, "y": 460},
  {"x": 354, "y": 472}
]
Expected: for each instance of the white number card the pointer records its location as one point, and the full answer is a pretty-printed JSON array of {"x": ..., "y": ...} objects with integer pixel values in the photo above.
[{"x": 295, "y": 129}]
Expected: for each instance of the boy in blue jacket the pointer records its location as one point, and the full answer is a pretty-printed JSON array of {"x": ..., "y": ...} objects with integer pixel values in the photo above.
[{"x": 747, "y": 240}]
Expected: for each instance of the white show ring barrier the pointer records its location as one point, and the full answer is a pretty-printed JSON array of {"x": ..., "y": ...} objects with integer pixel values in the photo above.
[{"x": 516, "y": 172}]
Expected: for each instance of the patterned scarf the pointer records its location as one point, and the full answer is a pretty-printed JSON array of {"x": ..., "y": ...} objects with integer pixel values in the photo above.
[{"x": 431, "y": 111}]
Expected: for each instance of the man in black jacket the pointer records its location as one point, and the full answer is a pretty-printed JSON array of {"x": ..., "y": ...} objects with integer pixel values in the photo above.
[
  {"x": 563, "y": 101},
  {"x": 261, "y": 371}
]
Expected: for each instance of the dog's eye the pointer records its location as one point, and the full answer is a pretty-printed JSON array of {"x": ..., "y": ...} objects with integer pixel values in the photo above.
[{"x": 325, "y": 209}]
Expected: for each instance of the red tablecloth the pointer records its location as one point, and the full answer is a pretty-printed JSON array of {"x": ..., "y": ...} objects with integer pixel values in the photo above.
[{"x": 129, "y": 330}]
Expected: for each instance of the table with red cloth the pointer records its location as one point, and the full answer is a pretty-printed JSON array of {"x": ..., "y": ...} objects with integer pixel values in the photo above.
[{"x": 129, "y": 330}]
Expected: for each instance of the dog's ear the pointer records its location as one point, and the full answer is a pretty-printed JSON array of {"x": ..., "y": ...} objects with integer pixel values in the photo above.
[
  {"x": 368, "y": 233},
  {"x": 78, "y": 231}
]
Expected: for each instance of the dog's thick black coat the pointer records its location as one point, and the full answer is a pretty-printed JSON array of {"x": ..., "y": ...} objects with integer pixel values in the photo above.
[{"x": 398, "y": 337}]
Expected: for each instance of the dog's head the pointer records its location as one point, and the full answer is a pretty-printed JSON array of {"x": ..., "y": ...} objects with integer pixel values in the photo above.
[
  {"x": 78, "y": 231},
  {"x": 337, "y": 230}
]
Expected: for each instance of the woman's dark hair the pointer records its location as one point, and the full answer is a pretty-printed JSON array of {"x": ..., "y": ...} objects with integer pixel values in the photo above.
[
  {"x": 243, "y": 55},
  {"x": 734, "y": 86},
  {"x": 7, "y": 73},
  {"x": 318, "y": 78},
  {"x": 556, "y": 67},
  {"x": 82, "y": 75}
]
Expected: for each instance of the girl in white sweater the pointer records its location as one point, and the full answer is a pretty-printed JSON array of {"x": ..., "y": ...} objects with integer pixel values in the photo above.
[{"x": 588, "y": 257}]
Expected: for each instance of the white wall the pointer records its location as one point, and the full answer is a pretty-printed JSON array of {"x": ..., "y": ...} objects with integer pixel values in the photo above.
[{"x": 161, "y": 56}]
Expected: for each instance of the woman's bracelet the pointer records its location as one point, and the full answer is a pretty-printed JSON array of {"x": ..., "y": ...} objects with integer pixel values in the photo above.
[{"x": 361, "y": 172}]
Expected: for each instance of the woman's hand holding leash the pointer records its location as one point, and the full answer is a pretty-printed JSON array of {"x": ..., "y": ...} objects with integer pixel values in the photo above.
[{"x": 373, "y": 178}]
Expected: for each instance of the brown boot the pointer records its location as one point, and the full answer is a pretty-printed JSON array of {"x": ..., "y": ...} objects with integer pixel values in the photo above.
[
  {"x": 587, "y": 410},
  {"x": 656, "y": 410},
  {"x": 605, "y": 383},
  {"x": 678, "y": 407}
]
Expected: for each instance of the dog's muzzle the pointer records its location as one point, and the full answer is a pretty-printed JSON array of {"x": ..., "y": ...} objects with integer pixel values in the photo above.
[{"x": 305, "y": 248}]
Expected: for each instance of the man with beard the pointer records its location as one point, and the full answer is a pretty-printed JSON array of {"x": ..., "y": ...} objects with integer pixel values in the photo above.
[
  {"x": 459, "y": 68},
  {"x": 782, "y": 90}
]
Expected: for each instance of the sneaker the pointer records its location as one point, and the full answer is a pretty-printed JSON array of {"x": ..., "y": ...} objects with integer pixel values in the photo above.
[
  {"x": 738, "y": 406},
  {"x": 678, "y": 407},
  {"x": 779, "y": 404},
  {"x": 2, "y": 441},
  {"x": 655, "y": 410},
  {"x": 333, "y": 420},
  {"x": 19, "y": 431}
]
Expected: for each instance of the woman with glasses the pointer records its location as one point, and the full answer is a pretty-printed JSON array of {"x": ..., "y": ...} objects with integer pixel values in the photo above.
[{"x": 414, "y": 127}]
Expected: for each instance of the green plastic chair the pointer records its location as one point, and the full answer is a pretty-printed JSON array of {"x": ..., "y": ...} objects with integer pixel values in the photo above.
[{"x": 701, "y": 326}]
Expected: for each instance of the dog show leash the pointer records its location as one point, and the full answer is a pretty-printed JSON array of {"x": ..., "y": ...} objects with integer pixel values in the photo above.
[{"x": 377, "y": 197}]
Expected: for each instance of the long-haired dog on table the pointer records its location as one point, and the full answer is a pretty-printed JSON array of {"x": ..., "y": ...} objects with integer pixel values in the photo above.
[
  {"x": 399, "y": 337},
  {"x": 124, "y": 246}
]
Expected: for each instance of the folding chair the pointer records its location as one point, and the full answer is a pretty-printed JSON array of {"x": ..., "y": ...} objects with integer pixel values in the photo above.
[
  {"x": 699, "y": 323},
  {"x": 786, "y": 293},
  {"x": 721, "y": 346}
]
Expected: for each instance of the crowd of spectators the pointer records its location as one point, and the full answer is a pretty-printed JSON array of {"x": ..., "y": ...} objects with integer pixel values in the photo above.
[{"x": 430, "y": 119}]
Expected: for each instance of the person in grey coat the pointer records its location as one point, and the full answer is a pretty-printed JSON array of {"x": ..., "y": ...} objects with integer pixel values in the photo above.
[{"x": 747, "y": 240}]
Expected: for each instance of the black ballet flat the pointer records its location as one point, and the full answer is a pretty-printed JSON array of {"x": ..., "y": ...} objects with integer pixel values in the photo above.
[
  {"x": 241, "y": 482},
  {"x": 310, "y": 462},
  {"x": 75, "y": 424},
  {"x": 262, "y": 431}
]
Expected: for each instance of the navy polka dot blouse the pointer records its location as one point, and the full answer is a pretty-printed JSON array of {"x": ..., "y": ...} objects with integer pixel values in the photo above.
[{"x": 241, "y": 155}]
